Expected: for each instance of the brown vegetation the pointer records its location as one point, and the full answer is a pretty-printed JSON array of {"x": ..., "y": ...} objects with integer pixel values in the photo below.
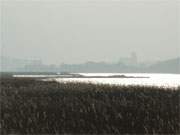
[{"x": 30, "y": 106}]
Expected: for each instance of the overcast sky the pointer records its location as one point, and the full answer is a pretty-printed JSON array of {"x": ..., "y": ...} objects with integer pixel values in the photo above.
[{"x": 80, "y": 31}]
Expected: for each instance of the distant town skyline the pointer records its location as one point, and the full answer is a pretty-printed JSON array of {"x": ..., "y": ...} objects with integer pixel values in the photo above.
[
  {"x": 120, "y": 59},
  {"x": 125, "y": 64}
]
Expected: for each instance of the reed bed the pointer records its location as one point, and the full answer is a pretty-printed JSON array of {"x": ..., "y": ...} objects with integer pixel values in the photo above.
[{"x": 31, "y": 106}]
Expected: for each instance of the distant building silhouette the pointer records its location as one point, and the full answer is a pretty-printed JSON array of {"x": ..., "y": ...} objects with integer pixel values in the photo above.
[{"x": 132, "y": 60}]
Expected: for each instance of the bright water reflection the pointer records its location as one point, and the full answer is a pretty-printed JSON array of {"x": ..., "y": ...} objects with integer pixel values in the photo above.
[{"x": 160, "y": 80}]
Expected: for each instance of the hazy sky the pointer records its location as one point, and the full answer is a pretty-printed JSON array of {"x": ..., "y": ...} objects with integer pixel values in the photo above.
[{"x": 79, "y": 31}]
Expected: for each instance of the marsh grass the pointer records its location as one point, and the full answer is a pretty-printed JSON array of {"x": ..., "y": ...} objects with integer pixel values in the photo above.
[{"x": 30, "y": 106}]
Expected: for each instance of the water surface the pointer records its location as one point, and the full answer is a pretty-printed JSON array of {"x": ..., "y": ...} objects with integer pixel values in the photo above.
[{"x": 160, "y": 80}]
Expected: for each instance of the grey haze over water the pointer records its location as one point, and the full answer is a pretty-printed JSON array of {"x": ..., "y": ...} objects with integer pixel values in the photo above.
[{"x": 80, "y": 31}]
